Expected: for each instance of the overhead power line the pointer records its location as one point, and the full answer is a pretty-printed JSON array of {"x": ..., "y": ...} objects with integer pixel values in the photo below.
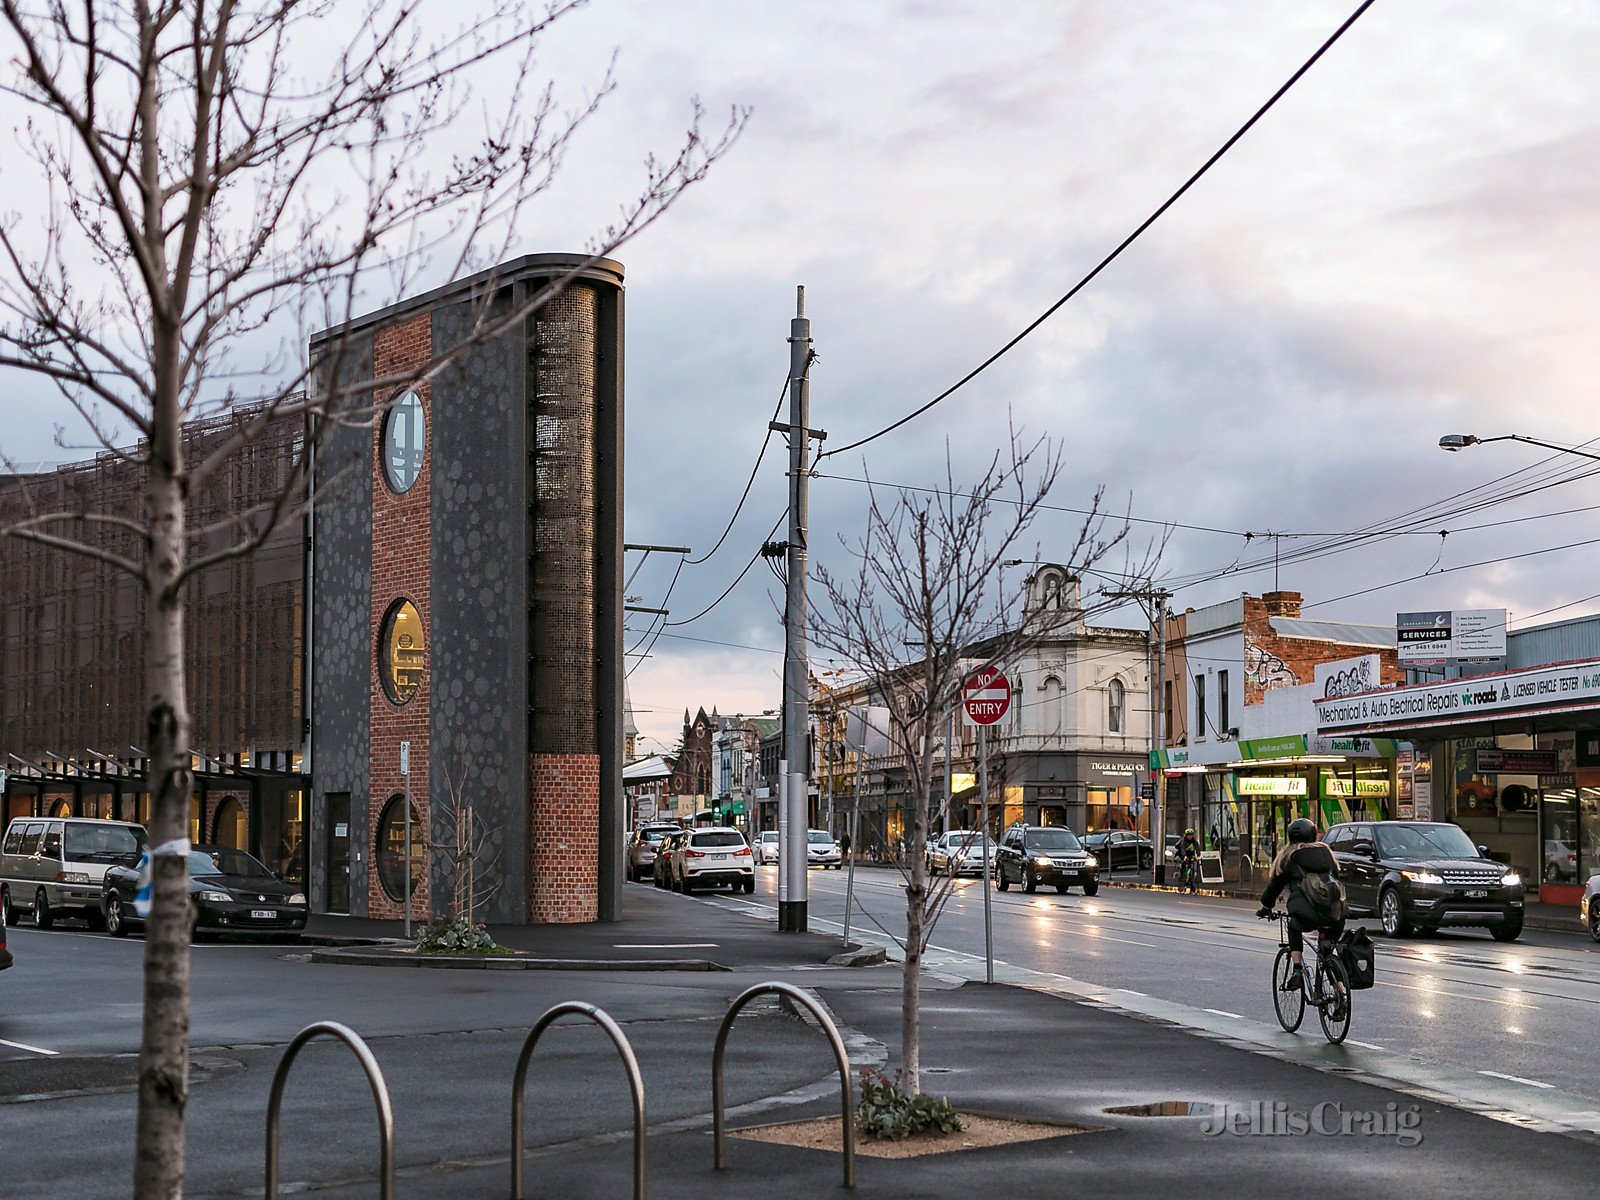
[{"x": 1121, "y": 246}]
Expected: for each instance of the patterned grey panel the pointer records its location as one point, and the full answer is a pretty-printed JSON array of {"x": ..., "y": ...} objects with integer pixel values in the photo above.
[
  {"x": 479, "y": 731},
  {"x": 340, "y": 655}
]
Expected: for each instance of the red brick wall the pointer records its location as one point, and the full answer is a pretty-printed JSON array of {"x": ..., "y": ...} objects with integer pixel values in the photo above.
[
  {"x": 1296, "y": 655},
  {"x": 565, "y": 847},
  {"x": 401, "y": 553}
]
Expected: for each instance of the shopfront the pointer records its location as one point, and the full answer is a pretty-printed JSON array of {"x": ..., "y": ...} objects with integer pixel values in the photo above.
[{"x": 1513, "y": 758}]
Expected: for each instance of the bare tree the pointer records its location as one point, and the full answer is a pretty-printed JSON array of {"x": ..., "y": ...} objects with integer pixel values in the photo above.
[
  {"x": 473, "y": 847},
  {"x": 204, "y": 188},
  {"x": 921, "y": 608}
]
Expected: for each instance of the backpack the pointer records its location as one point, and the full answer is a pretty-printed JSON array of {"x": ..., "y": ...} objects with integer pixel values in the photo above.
[{"x": 1325, "y": 894}]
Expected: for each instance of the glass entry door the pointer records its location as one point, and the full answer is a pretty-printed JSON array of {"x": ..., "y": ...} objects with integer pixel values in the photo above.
[{"x": 338, "y": 827}]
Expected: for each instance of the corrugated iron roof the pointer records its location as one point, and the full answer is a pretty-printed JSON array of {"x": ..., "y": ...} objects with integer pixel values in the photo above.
[{"x": 1333, "y": 631}]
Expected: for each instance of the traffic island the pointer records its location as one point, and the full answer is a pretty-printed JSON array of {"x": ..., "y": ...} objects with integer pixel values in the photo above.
[{"x": 983, "y": 1131}]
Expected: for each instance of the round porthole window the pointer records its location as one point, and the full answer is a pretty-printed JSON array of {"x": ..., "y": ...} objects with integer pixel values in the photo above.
[
  {"x": 391, "y": 855},
  {"x": 404, "y": 440},
  {"x": 402, "y": 652}
]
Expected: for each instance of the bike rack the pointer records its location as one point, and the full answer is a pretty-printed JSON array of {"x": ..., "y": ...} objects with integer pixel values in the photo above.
[
  {"x": 635, "y": 1085},
  {"x": 842, "y": 1058},
  {"x": 380, "y": 1097}
]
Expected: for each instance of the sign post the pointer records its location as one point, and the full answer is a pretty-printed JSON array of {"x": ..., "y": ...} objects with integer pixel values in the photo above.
[
  {"x": 985, "y": 698},
  {"x": 405, "y": 773}
]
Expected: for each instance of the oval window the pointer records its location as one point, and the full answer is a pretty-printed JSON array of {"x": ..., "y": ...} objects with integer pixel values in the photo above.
[
  {"x": 402, "y": 653},
  {"x": 392, "y": 848},
  {"x": 404, "y": 440}
]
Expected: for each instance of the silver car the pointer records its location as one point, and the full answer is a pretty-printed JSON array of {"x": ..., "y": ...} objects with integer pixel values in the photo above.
[
  {"x": 643, "y": 848},
  {"x": 961, "y": 852},
  {"x": 822, "y": 850},
  {"x": 767, "y": 847}
]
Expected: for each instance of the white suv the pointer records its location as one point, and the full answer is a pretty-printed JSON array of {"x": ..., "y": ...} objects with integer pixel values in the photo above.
[{"x": 711, "y": 856}]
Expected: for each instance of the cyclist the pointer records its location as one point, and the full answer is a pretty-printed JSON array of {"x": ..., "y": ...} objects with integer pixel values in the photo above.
[
  {"x": 1305, "y": 867},
  {"x": 1188, "y": 852}
]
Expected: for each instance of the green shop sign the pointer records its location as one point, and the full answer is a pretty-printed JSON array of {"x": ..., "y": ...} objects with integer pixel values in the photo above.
[
  {"x": 1278, "y": 747},
  {"x": 1271, "y": 785}
]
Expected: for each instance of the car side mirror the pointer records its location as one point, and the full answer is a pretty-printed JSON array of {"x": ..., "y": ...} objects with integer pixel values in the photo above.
[{"x": 1483, "y": 850}]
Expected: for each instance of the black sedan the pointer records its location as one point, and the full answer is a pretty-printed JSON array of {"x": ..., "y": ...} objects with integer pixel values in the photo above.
[
  {"x": 1120, "y": 848},
  {"x": 229, "y": 892}
]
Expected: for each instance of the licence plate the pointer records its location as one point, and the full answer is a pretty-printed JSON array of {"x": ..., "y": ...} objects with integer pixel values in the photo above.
[
  {"x": 1477, "y": 895},
  {"x": 262, "y": 914}
]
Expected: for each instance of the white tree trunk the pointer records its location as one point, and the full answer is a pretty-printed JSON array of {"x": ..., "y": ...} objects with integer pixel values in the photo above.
[{"x": 164, "y": 1049}]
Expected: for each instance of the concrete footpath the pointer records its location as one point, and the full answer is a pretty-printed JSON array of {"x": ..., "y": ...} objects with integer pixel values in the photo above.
[{"x": 1258, "y": 1126}]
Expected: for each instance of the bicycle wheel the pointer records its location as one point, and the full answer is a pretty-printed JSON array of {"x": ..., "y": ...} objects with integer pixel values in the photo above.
[
  {"x": 1291, "y": 1005},
  {"x": 1334, "y": 1009}
]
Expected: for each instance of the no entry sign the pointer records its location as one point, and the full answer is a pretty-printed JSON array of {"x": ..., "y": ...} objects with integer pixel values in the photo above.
[{"x": 985, "y": 696}]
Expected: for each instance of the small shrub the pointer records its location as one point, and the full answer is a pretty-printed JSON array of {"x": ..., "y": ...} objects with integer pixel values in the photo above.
[
  {"x": 884, "y": 1110},
  {"x": 456, "y": 936}
]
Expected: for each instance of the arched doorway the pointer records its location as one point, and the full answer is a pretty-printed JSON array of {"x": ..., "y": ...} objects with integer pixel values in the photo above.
[{"x": 229, "y": 827}]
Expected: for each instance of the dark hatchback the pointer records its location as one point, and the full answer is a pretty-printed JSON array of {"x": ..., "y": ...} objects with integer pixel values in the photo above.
[
  {"x": 1035, "y": 854},
  {"x": 229, "y": 891},
  {"x": 1425, "y": 875},
  {"x": 5, "y": 955}
]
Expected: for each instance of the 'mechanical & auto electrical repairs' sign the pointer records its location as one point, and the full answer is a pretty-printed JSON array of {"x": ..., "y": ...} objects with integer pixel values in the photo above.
[{"x": 1570, "y": 686}]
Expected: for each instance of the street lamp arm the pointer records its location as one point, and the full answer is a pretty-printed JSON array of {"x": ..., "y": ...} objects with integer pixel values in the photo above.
[{"x": 1460, "y": 441}]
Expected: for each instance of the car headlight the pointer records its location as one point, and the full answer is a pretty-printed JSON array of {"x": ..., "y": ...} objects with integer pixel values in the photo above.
[
  {"x": 1511, "y": 879},
  {"x": 1422, "y": 876},
  {"x": 215, "y": 897},
  {"x": 74, "y": 877},
  {"x": 1041, "y": 861},
  {"x": 1090, "y": 860},
  {"x": 297, "y": 898}
]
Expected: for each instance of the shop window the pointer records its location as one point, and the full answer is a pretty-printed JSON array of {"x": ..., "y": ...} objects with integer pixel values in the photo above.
[
  {"x": 282, "y": 832},
  {"x": 401, "y": 652},
  {"x": 391, "y": 853},
  {"x": 61, "y": 808},
  {"x": 404, "y": 440},
  {"x": 1116, "y": 699},
  {"x": 194, "y": 819}
]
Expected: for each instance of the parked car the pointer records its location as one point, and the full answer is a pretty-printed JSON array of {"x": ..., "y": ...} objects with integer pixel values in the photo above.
[
  {"x": 822, "y": 851},
  {"x": 767, "y": 847},
  {"x": 1560, "y": 860},
  {"x": 1033, "y": 854},
  {"x": 670, "y": 847},
  {"x": 1424, "y": 875},
  {"x": 642, "y": 849},
  {"x": 1589, "y": 907},
  {"x": 961, "y": 852},
  {"x": 229, "y": 892},
  {"x": 710, "y": 856},
  {"x": 1120, "y": 848},
  {"x": 53, "y": 866},
  {"x": 5, "y": 955}
]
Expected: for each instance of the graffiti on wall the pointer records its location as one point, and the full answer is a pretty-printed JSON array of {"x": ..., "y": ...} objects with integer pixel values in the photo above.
[{"x": 1265, "y": 669}]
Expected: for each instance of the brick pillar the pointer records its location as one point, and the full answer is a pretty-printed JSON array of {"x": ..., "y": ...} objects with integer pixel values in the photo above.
[{"x": 564, "y": 887}]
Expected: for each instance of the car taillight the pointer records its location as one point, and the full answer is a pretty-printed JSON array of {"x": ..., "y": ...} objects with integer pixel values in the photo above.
[
  {"x": 743, "y": 851},
  {"x": 694, "y": 853}
]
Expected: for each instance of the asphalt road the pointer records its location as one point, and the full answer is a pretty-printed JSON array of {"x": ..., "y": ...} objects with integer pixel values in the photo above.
[{"x": 1512, "y": 1013}]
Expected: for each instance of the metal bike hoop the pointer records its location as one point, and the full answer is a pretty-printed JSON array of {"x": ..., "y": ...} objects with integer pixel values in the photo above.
[
  {"x": 380, "y": 1097},
  {"x": 630, "y": 1064},
  {"x": 806, "y": 1001}
]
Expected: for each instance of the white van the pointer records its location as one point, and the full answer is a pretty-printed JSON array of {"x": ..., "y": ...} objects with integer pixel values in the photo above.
[{"x": 55, "y": 866}]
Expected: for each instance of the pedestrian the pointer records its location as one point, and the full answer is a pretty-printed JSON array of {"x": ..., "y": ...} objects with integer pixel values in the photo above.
[{"x": 844, "y": 845}]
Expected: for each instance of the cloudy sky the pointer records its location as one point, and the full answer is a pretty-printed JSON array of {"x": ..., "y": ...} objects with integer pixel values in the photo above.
[{"x": 1407, "y": 245}]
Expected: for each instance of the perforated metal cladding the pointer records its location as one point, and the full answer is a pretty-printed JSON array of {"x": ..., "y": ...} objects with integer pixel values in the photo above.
[{"x": 561, "y": 491}]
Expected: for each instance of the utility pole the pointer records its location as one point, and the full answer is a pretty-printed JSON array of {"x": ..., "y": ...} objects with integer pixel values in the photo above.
[
  {"x": 792, "y": 843},
  {"x": 1158, "y": 710}
]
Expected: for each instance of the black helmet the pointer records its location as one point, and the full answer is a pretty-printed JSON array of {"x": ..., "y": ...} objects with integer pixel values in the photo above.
[{"x": 1302, "y": 831}]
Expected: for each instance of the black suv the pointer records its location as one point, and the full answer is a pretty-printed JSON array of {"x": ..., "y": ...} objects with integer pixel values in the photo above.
[
  {"x": 1424, "y": 875},
  {"x": 1033, "y": 854}
]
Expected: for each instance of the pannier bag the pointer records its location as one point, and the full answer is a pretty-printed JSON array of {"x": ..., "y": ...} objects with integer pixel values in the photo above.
[{"x": 1355, "y": 952}]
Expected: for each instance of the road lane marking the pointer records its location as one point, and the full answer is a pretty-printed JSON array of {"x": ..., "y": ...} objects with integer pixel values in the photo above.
[
  {"x": 25, "y": 1046},
  {"x": 1222, "y": 1012},
  {"x": 1518, "y": 1079},
  {"x": 1364, "y": 1045},
  {"x": 664, "y": 945}
]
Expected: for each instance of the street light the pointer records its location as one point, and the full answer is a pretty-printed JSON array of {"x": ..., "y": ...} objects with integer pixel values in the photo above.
[{"x": 1460, "y": 441}]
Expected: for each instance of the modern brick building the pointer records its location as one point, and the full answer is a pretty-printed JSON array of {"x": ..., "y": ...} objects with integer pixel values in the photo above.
[{"x": 466, "y": 592}]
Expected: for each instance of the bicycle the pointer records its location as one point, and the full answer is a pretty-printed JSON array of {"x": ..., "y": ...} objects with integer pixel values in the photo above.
[
  {"x": 1332, "y": 986},
  {"x": 1189, "y": 874}
]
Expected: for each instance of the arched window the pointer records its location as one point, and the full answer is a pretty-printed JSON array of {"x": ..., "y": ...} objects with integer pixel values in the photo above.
[
  {"x": 229, "y": 827},
  {"x": 1116, "y": 699},
  {"x": 1054, "y": 706}
]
